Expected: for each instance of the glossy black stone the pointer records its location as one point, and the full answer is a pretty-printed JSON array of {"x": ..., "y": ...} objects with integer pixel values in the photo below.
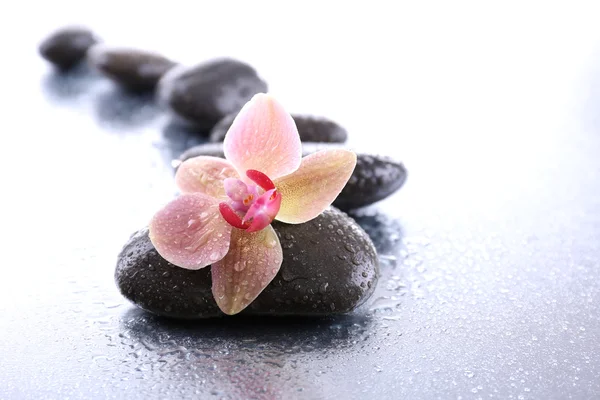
[
  {"x": 374, "y": 178},
  {"x": 310, "y": 129},
  {"x": 330, "y": 266},
  {"x": 131, "y": 68},
  {"x": 206, "y": 93},
  {"x": 66, "y": 47}
]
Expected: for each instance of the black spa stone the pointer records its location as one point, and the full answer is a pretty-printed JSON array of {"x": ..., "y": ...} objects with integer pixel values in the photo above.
[
  {"x": 67, "y": 46},
  {"x": 330, "y": 266},
  {"x": 204, "y": 94},
  {"x": 133, "y": 69}
]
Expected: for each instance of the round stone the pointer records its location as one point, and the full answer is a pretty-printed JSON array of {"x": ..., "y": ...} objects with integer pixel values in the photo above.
[
  {"x": 330, "y": 266},
  {"x": 131, "y": 68},
  {"x": 67, "y": 46}
]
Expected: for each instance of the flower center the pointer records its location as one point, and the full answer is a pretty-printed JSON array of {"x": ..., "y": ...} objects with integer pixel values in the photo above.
[{"x": 250, "y": 207}]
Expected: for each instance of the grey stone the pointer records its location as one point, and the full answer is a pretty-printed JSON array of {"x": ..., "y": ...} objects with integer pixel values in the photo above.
[
  {"x": 206, "y": 93},
  {"x": 330, "y": 266},
  {"x": 131, "y": 68},
  {"x": 310, "y": 129},
  {"x": 67, "y": 46}
]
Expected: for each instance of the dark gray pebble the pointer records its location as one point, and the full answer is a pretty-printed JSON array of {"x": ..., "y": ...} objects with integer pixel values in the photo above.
[
  {"x": 330, "y": 266},
  {"x": 66, "y": 47},
  {"x": 133, "y": 69},
  {"x": 206, "y": 93},
  {"x": 310, "y": 129},
  {"x": 374, "y": 178}
]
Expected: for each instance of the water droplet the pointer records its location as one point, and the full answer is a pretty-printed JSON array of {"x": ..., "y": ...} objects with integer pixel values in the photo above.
[
  {"x": 349, "y": 247},
  {"x": 248, "y": 296},
  {"x": 239, "y": 266},
  {"x": 323, "y": 287},
  {"x": 214, "y": 256}
]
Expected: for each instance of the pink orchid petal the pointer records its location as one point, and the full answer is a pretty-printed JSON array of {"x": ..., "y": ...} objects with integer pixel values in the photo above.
[
  {"x": 315, "y": 185},
  {"x": 204, "y": 174},
  {"x": 263, "y": 137},
  {"x": 251, "y": 264},
  {"x": 190, "y": 232},
  {"x": 263, "y": 211}
]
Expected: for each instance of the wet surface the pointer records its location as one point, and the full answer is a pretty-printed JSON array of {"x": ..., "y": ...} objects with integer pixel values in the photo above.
[{"x": 490, "y": 284}]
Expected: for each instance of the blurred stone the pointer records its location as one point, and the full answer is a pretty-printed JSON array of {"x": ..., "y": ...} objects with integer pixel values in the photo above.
[
  {"x": 130, "y": 68},
  {"x": 206, "y": 93},
  {"x": 67, "y": 46},
  {"x": 330, "y": 266}
]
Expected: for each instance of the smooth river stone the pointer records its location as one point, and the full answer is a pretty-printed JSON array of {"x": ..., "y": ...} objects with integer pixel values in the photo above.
[
  {"x": 206, "y": 93},
  {"x": 310, "y": 129},
  {"x": 374, "y": 178},
  {"x": 68, "y": 46},
  {"x": 330, "y": 266},
  {"x": 131, "y": 68}
]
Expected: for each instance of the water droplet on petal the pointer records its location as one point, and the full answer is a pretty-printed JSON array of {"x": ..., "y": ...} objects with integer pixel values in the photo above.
[{"x": 214, "y": 256}]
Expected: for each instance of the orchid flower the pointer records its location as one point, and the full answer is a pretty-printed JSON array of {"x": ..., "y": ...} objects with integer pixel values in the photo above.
[{"x": 223, "y": 216}]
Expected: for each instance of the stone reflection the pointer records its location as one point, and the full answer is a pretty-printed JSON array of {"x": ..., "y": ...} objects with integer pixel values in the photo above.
[
  {"x": 70, "y": 85},
  {"x": 178, "y": 137},
  {"x": 242, "y": 357},
  {"x": 119, "y": 109}
]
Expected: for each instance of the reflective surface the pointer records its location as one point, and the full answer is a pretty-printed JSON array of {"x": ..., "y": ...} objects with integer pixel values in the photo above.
[{"x": 490, "y": 285}]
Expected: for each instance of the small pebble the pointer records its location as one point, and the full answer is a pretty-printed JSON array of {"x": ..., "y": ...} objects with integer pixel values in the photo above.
[
  {"x": 131, "y": 68},
  {"x": 66, "y": 47}
]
